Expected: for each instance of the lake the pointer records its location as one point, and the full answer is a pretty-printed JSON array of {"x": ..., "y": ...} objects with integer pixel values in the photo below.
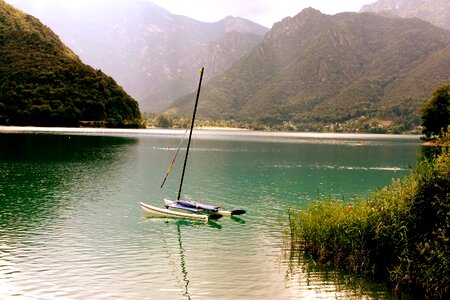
[{"x": 71, "y": 226}]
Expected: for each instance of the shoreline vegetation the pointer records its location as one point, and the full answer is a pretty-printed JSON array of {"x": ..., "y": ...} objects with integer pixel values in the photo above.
[
  {"x": 400, "y": 232},
  {"x": 359, "y": 125}
]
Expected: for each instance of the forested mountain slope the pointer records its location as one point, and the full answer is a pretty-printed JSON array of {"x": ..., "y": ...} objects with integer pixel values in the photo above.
[
  {"x": 42, "y": 82},
  {"x": 320, "y": 69}
]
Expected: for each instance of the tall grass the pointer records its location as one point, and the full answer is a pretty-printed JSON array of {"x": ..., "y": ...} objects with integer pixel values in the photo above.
[{"x": 401, "y": 231}]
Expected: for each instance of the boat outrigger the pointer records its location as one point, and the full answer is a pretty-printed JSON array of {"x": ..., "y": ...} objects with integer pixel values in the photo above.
[
  {"x": 173, "y": 207},
  {"x": 200, "y": 207}
]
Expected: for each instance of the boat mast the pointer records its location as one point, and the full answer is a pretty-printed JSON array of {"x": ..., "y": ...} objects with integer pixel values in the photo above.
[{"x": 190, "y": 133}]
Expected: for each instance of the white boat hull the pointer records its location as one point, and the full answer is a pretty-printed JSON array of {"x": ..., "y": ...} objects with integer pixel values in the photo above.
[
  {"x": 172, "y": 213},
  {"x": 169, "y": 203}
]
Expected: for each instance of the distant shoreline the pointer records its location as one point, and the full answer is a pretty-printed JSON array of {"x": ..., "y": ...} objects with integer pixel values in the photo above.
[
  {"x": 214, "y": 132},
  {"x": 221, "y": 128},
  {"x": 36, "y": 129}
]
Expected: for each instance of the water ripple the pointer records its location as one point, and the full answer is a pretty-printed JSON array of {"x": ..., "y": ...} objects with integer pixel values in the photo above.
[{"x": 71, "y": 226}]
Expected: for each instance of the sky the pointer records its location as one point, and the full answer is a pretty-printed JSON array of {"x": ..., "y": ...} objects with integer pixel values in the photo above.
[{"x": 264, "y": 12}]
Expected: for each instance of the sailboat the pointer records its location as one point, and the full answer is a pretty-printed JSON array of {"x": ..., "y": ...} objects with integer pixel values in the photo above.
[{"x": 192, "y": 207}]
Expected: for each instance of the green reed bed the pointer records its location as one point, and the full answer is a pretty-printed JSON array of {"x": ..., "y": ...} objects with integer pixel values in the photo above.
[{"x": 401, "y": 231}]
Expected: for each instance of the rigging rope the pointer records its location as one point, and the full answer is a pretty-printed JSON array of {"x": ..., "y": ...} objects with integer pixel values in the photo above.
[{"x": 173, "y": 159}]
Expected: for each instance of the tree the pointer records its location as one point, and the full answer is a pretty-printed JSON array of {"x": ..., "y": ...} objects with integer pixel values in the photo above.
[
  {"x": 163, "y": 121},
  {"x": 436, "y": 113}
]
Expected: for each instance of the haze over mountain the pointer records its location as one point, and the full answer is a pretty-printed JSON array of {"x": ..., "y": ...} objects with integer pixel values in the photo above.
[
  {"x": 436, "y": 12},
  {"x": 42, "y": 82},
  {"x": 149, "y": 51},
  {"x": 325, "y": 69}
]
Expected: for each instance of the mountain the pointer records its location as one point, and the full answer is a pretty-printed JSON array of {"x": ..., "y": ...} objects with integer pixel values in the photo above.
[
  {"x": 42, "y": 82},
  {"x": 316, "y": 68},
  {"x": 436, "y": 12},
  {"x": 218, "y": 56},
  {"x": 148, "y": 50}
]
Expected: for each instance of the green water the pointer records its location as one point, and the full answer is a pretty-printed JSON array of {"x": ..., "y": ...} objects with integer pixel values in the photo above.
[{"x": 71, "y": 225}]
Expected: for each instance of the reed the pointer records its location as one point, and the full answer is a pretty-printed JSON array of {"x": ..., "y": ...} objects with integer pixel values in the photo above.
[{"x": 401, "y": 231}]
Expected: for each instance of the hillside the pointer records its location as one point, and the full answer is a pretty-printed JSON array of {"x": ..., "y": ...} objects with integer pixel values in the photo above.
[
  {"x": 144, "y": 47},
  {"x": 42, "y": 82},
  {"x": 320, "y": 69},
  {"x": 436, "y": 12}
]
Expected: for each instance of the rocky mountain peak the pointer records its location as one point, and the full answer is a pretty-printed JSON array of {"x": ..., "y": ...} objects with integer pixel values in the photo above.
[
  {"x": 292, "y": 25},
  {"x": 239, "y": 24},
  {"x": 436, "y": 12}
]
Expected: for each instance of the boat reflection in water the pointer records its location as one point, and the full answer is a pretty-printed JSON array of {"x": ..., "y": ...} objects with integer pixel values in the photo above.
[{"x": 182, "y": 270}]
